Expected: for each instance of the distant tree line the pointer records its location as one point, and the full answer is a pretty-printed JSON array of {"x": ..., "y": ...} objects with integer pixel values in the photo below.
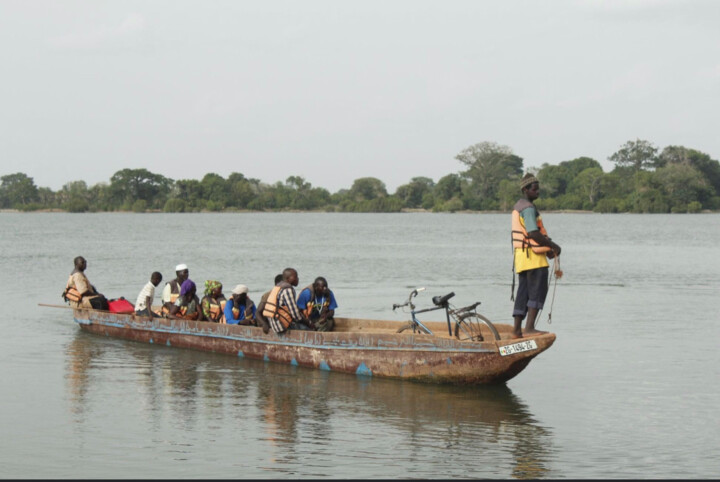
[{"x": 644, "y": 180}]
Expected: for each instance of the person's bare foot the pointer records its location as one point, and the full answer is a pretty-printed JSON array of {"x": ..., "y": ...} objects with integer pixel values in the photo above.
[
  {"x": 515, "y": 336},
  {"x": 534, "y": 332}
]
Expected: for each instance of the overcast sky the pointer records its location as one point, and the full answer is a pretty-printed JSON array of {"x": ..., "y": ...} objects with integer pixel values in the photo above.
[{"x": 337, "y": 90}]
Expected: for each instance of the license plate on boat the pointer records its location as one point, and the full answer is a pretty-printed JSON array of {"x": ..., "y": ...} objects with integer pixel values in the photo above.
[{"x": 518, "y": 347}]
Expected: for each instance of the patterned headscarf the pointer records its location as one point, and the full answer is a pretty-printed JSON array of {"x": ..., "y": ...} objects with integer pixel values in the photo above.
[
  {"x": 186, "y": 287},
  {"x": 210, "y": 285}
]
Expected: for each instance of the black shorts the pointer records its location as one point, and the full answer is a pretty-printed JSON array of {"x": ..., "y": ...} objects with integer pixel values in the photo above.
[{"x": 532, "y": 290}]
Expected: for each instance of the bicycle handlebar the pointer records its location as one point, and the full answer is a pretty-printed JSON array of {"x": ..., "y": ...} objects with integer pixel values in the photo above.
[{"x": 413, "y": 293}]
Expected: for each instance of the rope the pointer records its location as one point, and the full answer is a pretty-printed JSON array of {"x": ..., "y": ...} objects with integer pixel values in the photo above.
[{"x": 555, "y": 273}]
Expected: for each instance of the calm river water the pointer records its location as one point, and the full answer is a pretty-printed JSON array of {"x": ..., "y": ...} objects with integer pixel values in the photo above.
[{"x": 629, "y": 390}]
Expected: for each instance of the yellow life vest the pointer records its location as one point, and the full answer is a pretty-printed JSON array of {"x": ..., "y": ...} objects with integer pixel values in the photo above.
[{"x": 274, "y": 310}]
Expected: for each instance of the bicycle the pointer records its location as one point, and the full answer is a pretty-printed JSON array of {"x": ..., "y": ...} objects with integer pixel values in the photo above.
[{"x": 466, "y": 320}]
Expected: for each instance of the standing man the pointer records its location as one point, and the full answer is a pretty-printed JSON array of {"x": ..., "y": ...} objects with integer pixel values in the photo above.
[
  {"x": 171, "y": 292},
  {"x": 281, "y": 309},
  {"x": 532, "y": 247}
]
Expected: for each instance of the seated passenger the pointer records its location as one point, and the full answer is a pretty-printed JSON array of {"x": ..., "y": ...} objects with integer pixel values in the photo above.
[
  {"x": 79, "y": 293},
  {"x": 171, "y": 292},
  {"x": 260, "y": 319},
  {"x": 143, "y": 305},
  {"x": 240, "y": 309},
  {"x": 213, "y": 303},
  {"x": 318, "y": 304},
  {"x": 187, "y": 306},
  {"x": 281, "y": 308}
]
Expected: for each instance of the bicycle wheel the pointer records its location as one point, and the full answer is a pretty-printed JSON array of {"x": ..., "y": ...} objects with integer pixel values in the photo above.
[{"x": 469, "y": 328}]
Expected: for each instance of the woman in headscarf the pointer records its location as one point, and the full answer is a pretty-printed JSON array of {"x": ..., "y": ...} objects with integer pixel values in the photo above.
[
  {"x": 187, "y": 305},
  {"x": 213, "y": 303}
]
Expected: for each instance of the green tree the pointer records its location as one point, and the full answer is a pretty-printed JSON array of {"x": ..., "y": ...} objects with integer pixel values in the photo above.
[
  {"x": 488, "y": 163},
  {"x": 638, "y": 155},
  {"x": 448, "y": 187},
  {"x": 129, "y": 185},
  {"x": 191, "y": 192},
  {"x": 241, "y": 190},
  {"x": 74, "y": 197},
  {"x": 215, "y": 191},
  {"x": 508, "y": 194},
  {"x": 414, "y": 194},
  {"x": 709, "y": 168},
  {"x": 554, "y": 180},
  {"x": 367, "y": 189},
  {"x": 17, "y": 190},
  {"x": 578, "y": 165},
  {"x": 682, "y": 184},
  {"x": 587, "y": 184}
]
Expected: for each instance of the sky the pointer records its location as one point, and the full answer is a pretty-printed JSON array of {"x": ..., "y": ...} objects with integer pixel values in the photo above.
[{"x": 333, "y": 90}]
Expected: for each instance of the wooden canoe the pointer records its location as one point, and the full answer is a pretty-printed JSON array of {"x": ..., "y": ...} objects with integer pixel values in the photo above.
[{"x": 357, "y": 346}]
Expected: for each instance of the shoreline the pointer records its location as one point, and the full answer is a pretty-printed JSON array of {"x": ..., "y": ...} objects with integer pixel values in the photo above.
[{"x": 295, "y": 211}]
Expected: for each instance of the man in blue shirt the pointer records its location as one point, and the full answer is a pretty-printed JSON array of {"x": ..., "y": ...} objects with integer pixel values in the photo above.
[
  {"x": 318, "y": 304},
  {"x": 239, "y": 309}
]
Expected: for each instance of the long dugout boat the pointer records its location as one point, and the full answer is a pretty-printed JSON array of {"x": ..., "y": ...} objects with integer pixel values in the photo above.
[{"x": 356, "y": 346}]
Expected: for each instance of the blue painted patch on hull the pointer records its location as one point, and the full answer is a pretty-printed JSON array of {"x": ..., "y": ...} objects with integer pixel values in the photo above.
[
  {"x": 362, "y": 369},
  {"x": 266, "y": 358},
  {"x": 324, "y": 366},
  {"x": 168, "y": 343},
  {"x": 151, "y": 341},
  {"x": 241, "y": 354},
  {"x": 294, "y": 362}
]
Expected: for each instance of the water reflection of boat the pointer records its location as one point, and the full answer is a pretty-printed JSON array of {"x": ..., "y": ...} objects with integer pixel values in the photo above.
[
  {"x": 365, "y": 347},
  {"x": 291, "y": 407}
]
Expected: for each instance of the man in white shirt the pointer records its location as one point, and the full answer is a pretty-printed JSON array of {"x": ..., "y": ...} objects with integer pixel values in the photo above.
[
  {"x": 143, "y": 305},
  {"x": 172, "y": 288}
]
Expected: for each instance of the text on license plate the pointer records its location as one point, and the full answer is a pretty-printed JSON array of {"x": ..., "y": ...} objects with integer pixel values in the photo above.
[{"x": 518, "y": 347}]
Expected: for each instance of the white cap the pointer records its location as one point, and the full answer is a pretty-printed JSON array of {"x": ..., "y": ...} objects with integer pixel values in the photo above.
[
  {"x": 181, "y": 267},
  {"x": 240, "y": 289}
]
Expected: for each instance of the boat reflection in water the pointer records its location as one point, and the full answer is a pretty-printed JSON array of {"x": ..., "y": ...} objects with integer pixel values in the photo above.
[{"x": 294, "y": 412}]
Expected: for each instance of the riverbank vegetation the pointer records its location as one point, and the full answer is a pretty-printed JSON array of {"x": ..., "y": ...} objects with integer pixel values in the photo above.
[{"x": 645, "y": 179}]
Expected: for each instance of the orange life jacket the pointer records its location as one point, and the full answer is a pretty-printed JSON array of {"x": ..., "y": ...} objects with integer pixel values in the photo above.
[
  {"x": 274, "y": 310},
  {"x": 70, "y": 293},
  {"x": 217, "y": 309},
  {"x": 247, "y": 315},
  {"x": 520, "y": 238},
  {"x": 174, "y": 294}
]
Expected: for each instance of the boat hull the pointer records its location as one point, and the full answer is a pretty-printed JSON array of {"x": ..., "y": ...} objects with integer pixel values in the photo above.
[{"x": 368, "y": 347}]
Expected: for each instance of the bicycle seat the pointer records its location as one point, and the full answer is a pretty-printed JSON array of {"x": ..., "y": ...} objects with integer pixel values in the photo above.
[{"x": 442, "y": 300}]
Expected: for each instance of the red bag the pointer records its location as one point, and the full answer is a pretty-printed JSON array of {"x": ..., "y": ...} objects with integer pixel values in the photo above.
[{"x": 120, "y": 305}]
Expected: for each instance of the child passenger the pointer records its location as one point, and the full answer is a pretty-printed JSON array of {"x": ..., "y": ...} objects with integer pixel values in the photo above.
[{"x": 143, "y": 305}]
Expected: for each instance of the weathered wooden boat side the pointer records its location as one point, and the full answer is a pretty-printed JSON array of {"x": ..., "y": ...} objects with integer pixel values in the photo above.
[{"x": 364, "y": 347}]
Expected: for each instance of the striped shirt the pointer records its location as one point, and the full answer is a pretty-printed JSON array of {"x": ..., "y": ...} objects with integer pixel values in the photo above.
[
  {"x": 287, "y": 299},
  {"x": 148, "y": 290}
]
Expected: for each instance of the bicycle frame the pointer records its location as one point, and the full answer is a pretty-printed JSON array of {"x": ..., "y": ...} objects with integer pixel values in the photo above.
[{"x": 440, "y": 303}]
